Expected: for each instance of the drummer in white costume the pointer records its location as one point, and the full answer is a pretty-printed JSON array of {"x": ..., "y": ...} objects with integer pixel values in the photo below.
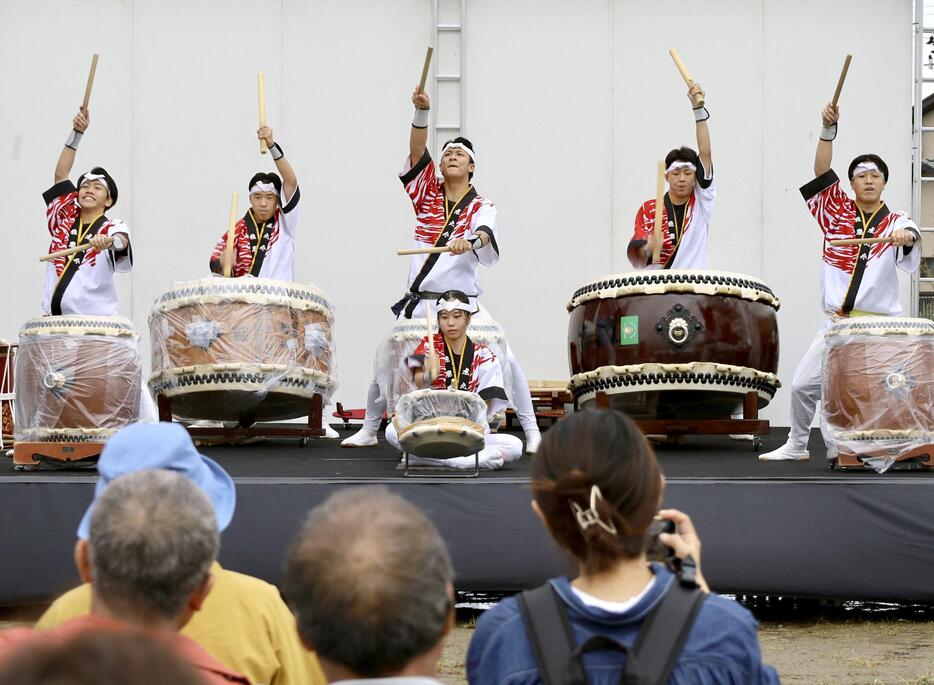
[
  {"x": 449, "y": 212},
  {"x": 453, "y": 360},
  {"x": 688, "y": 205},
  {"x": 856, "y": 280}
]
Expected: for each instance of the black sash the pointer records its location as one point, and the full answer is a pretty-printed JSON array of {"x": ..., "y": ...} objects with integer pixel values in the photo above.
[
  {"x": 258, "y": 247},
  {"x": 74, "y": 262},
  {"x": 862, "y": 255},
  {"x": 673, "y": 228},
  {"x": 410, "y": 301},
  {"x": 466, "y": 363}
]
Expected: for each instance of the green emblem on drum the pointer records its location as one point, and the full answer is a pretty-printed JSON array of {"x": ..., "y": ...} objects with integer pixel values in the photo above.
[{"x": 629, "y": 330}]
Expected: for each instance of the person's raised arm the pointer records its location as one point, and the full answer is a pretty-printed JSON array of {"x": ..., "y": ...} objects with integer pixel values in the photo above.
[
  {"x": 824, "y": 155},
  {"x": 66, "y": 160},
  {"x": 418, "y": 136},
  {"x": 289, "y": 181},
  {"x": 701, "y": 115}
]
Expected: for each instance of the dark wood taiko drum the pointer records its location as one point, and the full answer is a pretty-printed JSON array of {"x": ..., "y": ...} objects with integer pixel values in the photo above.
[{"x": 674, "y": 344}]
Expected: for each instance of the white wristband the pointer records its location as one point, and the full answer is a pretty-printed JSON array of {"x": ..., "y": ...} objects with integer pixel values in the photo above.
[
  {"x": 426, "y": 376},
  {"x": 119, "y": 243},
  {"x": 73, "y": 139},
  {"x": 701, "y": 114},
  {"x": 276, "y": 152},
  {"x": 828, "y": 133},
  {"x": 420, "y": 119}
]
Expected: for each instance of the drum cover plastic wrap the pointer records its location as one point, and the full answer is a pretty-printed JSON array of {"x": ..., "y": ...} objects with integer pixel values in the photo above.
[
  {"x": 440, "y": 423},
  {"x": 77, "y": 378},
  {"x": 878, "y": 394},
  {"x": 225, "y": 349}
]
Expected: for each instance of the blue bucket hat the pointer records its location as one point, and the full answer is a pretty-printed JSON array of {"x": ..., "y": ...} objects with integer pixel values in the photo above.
[{"x": 162, "y": 446}]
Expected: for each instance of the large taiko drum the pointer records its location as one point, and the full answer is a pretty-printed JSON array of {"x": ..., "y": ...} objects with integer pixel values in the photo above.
[
  {"x": 393, "y": 374},
  {"x": 440, "y": 423},
  {"x": 7, "y": 362},
  {"x": 242, "y": 349},
  {"x": 77, "y": 378},
  {"x": 878, "y": 398},
  {"x": 674, "y": 344}
]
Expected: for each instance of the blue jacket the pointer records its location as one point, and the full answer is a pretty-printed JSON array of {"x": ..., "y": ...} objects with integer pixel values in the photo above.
[{"x": 722, "y": 647}]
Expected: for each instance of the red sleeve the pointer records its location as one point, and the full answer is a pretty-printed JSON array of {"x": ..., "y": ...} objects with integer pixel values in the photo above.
[
  {"x": 61, "y": 212},
  {"x": 420, "y": 181},
  {"x": 241, "y": 250},
  {"x": 826, "y": 200}
]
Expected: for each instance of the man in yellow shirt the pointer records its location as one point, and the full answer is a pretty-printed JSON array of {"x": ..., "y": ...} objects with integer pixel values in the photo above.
[{"x": 243, "y": 623}]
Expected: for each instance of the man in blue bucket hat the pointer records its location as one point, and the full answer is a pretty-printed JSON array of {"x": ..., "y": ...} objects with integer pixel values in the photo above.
[{"x": 243, "y": 623}]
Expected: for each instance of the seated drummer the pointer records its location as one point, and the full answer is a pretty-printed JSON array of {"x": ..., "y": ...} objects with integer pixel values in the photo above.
[
  {"x": 263, "y": 244},
  {"x": 857, "y": 280},
  {"x": 688, "y": 204},
  {"x": 453, "y": 360},
  {"x": 83, "y": 283}
]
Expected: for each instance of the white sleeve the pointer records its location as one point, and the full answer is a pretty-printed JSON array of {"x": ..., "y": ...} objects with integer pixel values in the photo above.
[
  {"x": 705, "y": 189},
  {"x": 490, "y": 384},
  {"x": 484, "y": 221},
  {"x": 910, "y": 262},
  {"x": 123, "y": 264},
  {"x": 290, "y": 211}
]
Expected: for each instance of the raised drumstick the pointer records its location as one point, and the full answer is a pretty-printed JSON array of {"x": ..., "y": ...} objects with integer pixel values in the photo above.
[
  {"x": 862, "y": 241},
  {"x": 231, "y": 230},
  {"x": 87, "y": 88},
  {"x": 65, "y": 253},
  {"x": 659, "y": 210},
  {"x": 697, "y": 97},
  {"x": 421, "y": 84},
  {"x": 423, "y": 250},
  {"x": 846, "y": 67},
  {"x": 261, "y": 86}
]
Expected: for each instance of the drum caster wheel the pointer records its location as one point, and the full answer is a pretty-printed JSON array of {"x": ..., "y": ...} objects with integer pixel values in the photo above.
[
  {"x": 756, "y": 443},
  {"x": 303, "y": 442}
]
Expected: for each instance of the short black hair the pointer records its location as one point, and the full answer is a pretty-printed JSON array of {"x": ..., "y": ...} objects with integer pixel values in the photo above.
[
  {"x": 108, "y": 180},
  {"x": 263, "y": 177},
  {"x": 875, "y": 159},
  {"x": 467, "y": 144},
  {"x": 682, "y": 154},
  {"x": 458, "y": 295}
]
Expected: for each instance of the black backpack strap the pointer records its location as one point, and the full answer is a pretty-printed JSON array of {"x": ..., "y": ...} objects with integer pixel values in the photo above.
[
  {"x": 549, "y": 630},
  {"x": 663, "y": 634}
]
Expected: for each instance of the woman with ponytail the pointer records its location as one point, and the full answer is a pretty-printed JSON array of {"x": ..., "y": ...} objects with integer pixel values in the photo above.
[{"x": 597, "y": 488}]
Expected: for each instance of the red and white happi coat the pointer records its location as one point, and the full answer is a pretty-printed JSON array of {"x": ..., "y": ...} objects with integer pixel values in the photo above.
[
  {"x": 480, "y": 370},
  {"x": 471, "y": 216},
  {"x": 684, "y": 241},
  {"x": 82, "y": 283},
  {"x": 858, "y": 277},
  {"x": 264, "y": 250}
]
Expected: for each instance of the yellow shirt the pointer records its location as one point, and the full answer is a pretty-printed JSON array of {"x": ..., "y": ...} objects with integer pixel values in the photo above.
[{"x": 243, "y": 623}]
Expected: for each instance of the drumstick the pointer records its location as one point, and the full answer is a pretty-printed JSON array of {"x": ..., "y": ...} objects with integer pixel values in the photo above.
[
  {"x": 659, "y": 209},
  {"x": 862, "y": 241},
  {"x": 846, "y": 67},
  {"x": 261, "y": 85},
  {"x": 87, "y": 88},
  {"x": 424, "y": 250},
  {"x": 231, "y": 230},
  {"x": 697, "y": 97},
  {"x": 421, "y": 84},
  {"x": 65, "y": 253}
]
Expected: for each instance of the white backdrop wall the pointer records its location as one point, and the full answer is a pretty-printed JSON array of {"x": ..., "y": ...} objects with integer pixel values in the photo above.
[{"x": 569, "y": 105}]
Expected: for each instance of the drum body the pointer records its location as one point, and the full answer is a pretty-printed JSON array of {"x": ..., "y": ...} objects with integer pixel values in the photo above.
[
  {"x": 7, "y": 364},
  {"x": 878, "y": 397},
  {"x": 393, "y": 374},
  {"x": 674, "y": 344},
  {"x": 244, "y": 349},
  {"x": 77, "y": 378},
  {"x": 440, "y": 423}
]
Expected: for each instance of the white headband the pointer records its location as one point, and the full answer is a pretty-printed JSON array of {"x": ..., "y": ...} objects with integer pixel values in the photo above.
[
  {"x": 90, "y": 178},
  {"x": 678, "y": 164},
  {"x": 460, "y": 146},
  {"x": 451, "y": 305},
  {"x": 863, "y": 167},
  {"x": 260, "y": 187}
]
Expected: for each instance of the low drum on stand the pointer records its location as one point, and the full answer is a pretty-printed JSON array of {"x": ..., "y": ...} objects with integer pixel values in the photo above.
[
  {"x": 672, "y": 344},
  {"x": 878, "y": 396},
  {"x": 440, "y": 423},
  {"x": 77, "y": 382},
  {"x": 242, "y": 350}
]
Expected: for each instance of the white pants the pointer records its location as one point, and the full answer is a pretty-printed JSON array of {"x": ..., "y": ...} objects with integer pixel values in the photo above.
[
  {"x": 497, "y": 447},
  {"x": 806, "y": 390}
]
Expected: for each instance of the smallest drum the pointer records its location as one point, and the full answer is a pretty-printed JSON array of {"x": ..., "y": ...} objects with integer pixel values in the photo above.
[
  {"x": 878, "y": 398},
  {"x": 242, "y": 349},
  {"x": 440, "y": 423}
]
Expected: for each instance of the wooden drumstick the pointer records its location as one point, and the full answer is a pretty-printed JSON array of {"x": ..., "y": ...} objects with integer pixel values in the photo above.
[
  {"x": 261, "y": 85},
  {"x": 421, "y": 84},
  {"x": 423, "y": 250},
  {"x": 87, "y": 88},
  {"x": 862, "y": 241},
  {"x": 846, "y": 67},
  {"x": 231, "y": 231},
  {"x": 659, "y": 210},
  {"x": 697, "y": 98},
  {"x": 65, "y": 253}
]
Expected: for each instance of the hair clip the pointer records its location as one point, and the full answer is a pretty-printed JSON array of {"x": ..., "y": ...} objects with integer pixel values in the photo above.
[{"x": 589, "y": 517}]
